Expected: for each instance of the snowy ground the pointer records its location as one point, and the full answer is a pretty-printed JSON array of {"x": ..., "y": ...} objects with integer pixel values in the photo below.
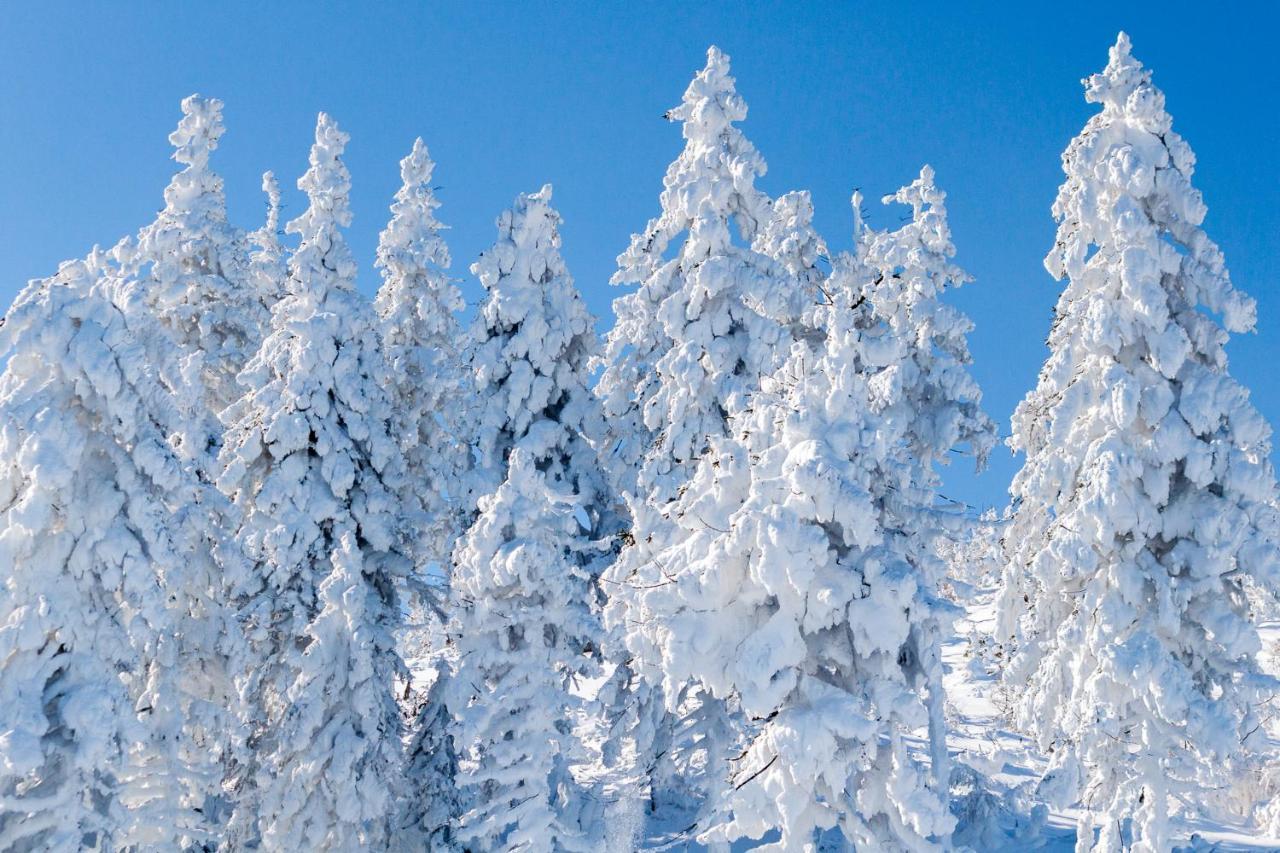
[{"x": 979, "y": 739}]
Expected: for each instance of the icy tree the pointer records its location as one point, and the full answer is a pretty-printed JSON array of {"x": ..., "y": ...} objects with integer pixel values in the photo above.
[
  {"x": 710, "y": 316},
  {"x": 524, "y": 631},
  {"x": 528, "y": 357},
  {"x": 710, "y": 313},
  {"x": 974, "y": 557},
  {"x": 924, "y": 389},
  {"x": 432, "y": 803},
  {"x": 789, "y": 237},
  {"x": 310, "y": 459},
  {"x": 106, "y": 730},
  {"x": 193, "y": 264},
  {"x": 268, "y": 262},
  {"x": 928, "y": 387},
  {"x": 418, "y": 304},
  {"x": 800, "y": 585},
  {"x": 1137, "y": 510},
  {"x": 524, "y": 625}
]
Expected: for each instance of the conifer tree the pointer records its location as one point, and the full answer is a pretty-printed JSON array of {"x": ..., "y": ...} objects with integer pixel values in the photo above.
[
  {"x": 268, "y": 262},
  {"x": 433, "y": 802},
  {"x": 310, "y": 459},
  {"x": 929, "y": 387},
  {"x": 418, "y": 306},
  {"x": 1137, "y": 510},
  {"x": 524, "y": 625},
  {"x": 925, "y": 387},
  {"x": 710, "y": 313},
  {"x": 106, "y": 559},
  {"x": 193, "y": 263},
  {"x": 802, "y": 586},
  {"x": 710, "y": 316}
]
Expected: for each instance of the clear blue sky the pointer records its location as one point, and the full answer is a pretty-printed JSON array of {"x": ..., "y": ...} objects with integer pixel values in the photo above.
[{"x": 507, "y": 97}]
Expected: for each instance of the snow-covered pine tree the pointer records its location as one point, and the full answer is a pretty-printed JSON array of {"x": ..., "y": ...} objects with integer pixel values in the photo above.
[
  {"x": 928, "y": 387},
  {"x": 790, "y": 238},
  {"x": 974, "y": 558},
  {"x": 711, "y": 315},
  {"x": 925, "y": 387},
  {"x": 528, "y": 356},
  {"x": 524, "y": 624},
  {"x": 432, "y": 803},
  {"x": 1136, "y": 513},
  {"x": 268, "y": 261},
  {"x": 418, "y": 306},
  {"x": 193, "y": 264},
  {"x": 107, "y": 567},
  {"x": 525, "y": 632},
  {"x": 310, "y": 459},
  {"x": 802, "y": 585}
]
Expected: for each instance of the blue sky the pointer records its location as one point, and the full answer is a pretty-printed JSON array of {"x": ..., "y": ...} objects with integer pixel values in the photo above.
[{"x": 509, "y": 96}]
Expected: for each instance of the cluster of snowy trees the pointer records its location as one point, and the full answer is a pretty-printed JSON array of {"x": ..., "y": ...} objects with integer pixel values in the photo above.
[{"x": 691, "y": 569}]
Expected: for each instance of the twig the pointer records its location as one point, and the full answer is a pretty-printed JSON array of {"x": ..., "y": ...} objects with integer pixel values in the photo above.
[{"x": 746, "y": 781}]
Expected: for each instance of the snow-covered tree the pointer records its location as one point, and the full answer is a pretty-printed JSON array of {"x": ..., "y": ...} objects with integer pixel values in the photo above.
[
  {"x": 925, "y": 390},
  {"x": 105, "y": 598},
  {"x": 193, "y": 263},
  {"x": 418, "y": 306},
  {"x": 525, "y": 625},
  {"x": 790, "y": 238},
  {"x": 529, "y": 357},
  {"x": 801, "y": 583},
  {"x": 268, "y": 261},
  {"x": 433, "y": 802},
  {"x": 974, "y": 561},
  {"x": 310, "y": 458},
  {"x": 1137, "y": 510},
  {"x": 710, "y": 316},
  {"x": 524, "y": 632},
  {"x": 928, "y": 387},
  {"x": 974, "y": 557}
]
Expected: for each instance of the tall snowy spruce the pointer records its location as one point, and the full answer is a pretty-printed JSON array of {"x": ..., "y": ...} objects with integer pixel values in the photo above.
[
  {"x": 1137, "y": 511},
  {"x": 106, "y": 565},
  {"x": 710, "y": 316},
  {"x": 801, "y": 586},
  {"x": 193, "y": 265},
  {"x": 310, "y": 459},
  {"x": 524, "y": 625},
  {"x": 925, "y": 390},
  {"x": 790, "y": 239},
  {"x": 268, "y": 260},
  {"x": 927, "y": 386},
  {"x": 432, "y": 802},
  {"x": 418, "y": 306}
]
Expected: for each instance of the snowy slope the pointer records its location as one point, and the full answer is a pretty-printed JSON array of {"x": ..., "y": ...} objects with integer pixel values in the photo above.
[{"x": 979, "y": 738}]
